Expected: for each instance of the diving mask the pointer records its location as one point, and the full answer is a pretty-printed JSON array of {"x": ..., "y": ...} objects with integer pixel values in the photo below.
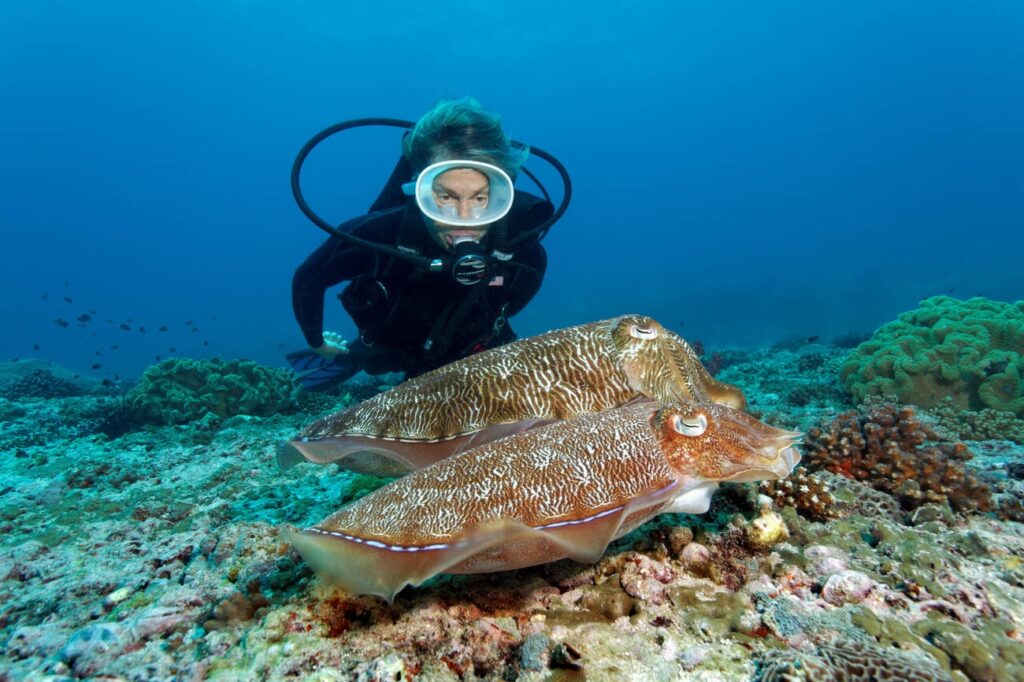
[{"x": 464, "y": 193}]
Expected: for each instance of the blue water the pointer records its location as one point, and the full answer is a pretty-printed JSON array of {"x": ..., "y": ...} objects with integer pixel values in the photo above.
[{"x": 744, "y": 171}]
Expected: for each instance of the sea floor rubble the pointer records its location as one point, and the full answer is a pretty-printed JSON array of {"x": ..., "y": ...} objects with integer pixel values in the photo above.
[{"x": 155, "y": 556}]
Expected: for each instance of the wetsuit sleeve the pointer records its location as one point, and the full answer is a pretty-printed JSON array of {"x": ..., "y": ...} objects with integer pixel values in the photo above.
[{"x": 333, "y": 262}]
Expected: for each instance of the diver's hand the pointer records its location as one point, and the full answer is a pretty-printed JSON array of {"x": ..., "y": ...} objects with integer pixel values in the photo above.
[{"x": 333, "y": 345}]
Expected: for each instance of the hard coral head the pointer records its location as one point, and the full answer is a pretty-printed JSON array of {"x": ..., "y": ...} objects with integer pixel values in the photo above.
[{"x": 717, "y": 443}]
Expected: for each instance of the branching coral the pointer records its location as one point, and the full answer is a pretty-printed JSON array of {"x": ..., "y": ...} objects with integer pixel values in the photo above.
[
  {"x": 807, "y": 493},
  {"x": 985, "y": 424},
  {"x": 886, "y": 448}
]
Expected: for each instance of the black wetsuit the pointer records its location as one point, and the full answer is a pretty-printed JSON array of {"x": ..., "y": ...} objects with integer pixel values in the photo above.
[{"x": 397, "y": 306}]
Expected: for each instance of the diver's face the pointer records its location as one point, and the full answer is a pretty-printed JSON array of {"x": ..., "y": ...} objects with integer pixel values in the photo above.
[{"x": 462, "y": 193}]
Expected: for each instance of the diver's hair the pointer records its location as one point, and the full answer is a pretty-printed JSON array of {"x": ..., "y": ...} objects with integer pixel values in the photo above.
[{"x": 461, "y": 129}]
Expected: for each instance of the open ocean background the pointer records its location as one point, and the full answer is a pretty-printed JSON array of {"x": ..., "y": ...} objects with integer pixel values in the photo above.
[{"x": 744, "y": 171}]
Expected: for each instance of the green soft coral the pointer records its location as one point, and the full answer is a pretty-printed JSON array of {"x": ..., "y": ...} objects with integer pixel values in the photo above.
[
  {"x": 969, "y": 351},
  {"x": 179, "y": 391}
]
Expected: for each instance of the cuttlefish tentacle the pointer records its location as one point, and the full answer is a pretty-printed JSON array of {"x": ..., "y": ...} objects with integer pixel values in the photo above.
[
  {"x": 507, "y": 390},
  {"x": 563, "y": 490}
]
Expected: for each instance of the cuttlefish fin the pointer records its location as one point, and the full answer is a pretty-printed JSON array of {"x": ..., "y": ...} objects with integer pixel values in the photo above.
[
  {"x": 391, "y": 456},
  {"x": 365, "y": 457},
  {"x": 365, "y": 566},
  {"x": 499, "y": 431}
]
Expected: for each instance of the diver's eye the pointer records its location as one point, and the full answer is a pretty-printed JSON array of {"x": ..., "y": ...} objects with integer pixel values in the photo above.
[
  {"x": 643, "y": 332},
  {"x": 690, "y": 426}
]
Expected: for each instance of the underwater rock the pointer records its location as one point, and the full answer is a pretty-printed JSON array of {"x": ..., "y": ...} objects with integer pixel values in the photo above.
[
  {"x": 695, "y": 554},
  {"x": 87, "y": 649},
  {"x": 847, "y": 587},
  {"x": 389, "y": 668},
  {"x": 645, "y": 579},
  {"x": 534, "y": 654},
  {"x": 825, "y": 560},
  {"x": 678, "y": 537}
]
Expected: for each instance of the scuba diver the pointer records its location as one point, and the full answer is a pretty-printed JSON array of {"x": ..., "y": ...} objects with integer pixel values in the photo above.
[{"x": 447, "y": 253}]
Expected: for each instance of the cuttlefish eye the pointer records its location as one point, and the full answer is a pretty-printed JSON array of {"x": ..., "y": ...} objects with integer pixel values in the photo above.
[
  {"x": 638, "y": 332},
  {"x": 690, "y": 426}
]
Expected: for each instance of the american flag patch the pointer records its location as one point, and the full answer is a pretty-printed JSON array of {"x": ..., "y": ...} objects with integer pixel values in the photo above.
[{"x": 497, "y": 281}]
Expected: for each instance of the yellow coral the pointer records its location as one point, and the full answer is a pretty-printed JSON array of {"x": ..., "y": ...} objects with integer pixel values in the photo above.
[{"x": 766, "y": 530}]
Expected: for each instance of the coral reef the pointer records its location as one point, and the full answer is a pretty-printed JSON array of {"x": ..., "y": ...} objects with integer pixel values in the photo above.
[
  {"x": 986, "y": 424},
  {"x": 855, "y": 497},
  {"x": 807, "y": 493},
  {"x": 848, "y": 662},
  {"x": 179, "y": 391},
  {"x": 39, "y": 383},
  {"x": 885, "y": 447},
  {"x": 36, "y": 378},
  {"x": 155, "y": 555},
  {"x": 970, "y": 351}
]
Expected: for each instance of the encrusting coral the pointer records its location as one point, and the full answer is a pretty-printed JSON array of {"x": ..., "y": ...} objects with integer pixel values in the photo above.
[
  {"x": 848, "y": 662},
  {"x": 179, "y": 391},
  {"x": 885, "y": 447},
  {"x": 968, "y": 350}
]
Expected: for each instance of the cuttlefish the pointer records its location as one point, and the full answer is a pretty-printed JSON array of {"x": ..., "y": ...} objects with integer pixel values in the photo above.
[
  {"x": 555, "y": 376},
  {"x": 563, "y": 490}
]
